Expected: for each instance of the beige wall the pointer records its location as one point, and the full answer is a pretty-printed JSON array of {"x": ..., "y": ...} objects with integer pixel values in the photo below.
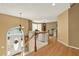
[
  {"x": 74, "y": 26},
  {"x": 68, "y": 29},
  {"x": 51, "y": 25},
  {"x": 30, "y": 25},
  {"x": 7, "y": 22},
  {"x": 63, "y": 27}
]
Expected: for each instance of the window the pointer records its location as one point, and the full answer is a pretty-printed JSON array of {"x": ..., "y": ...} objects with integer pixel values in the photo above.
[{"x": 36, "y": 26}]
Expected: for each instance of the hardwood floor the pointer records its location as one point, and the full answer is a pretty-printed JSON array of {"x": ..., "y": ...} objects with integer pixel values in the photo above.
[{"x": 54, "y": 48}]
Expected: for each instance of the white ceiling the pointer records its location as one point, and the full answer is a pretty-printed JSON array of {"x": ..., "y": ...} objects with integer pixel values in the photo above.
[{"x": 37, "y": 12}]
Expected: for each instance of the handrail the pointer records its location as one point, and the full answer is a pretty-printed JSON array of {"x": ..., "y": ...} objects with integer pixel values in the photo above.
[
  {"x": 42, "y": 32},
  {"x": 34, "y": 35},
  {"x": 28, "y": 39},
  {"x": 25, "y": 44}
]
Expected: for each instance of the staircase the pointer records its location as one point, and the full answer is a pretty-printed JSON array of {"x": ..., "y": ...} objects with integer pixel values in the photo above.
[{"x": 37, "y": 41}]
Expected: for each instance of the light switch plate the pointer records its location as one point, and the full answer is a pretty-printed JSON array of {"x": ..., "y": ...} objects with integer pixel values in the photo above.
[{"x": 2, "y": 46}]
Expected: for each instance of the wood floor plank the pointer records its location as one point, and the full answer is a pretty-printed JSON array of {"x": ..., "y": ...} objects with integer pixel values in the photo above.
[{"x": 54, "y": 48}]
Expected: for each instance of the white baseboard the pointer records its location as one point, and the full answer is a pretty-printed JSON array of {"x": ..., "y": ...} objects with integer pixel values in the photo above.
[
  {"x": 68, "y": 45},
  {"x": 74, "y": 47},
  {"x": 63, "y": 43}
]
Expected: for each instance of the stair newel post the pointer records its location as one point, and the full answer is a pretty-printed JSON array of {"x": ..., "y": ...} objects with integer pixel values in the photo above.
[{"x": 35, "y": 40}]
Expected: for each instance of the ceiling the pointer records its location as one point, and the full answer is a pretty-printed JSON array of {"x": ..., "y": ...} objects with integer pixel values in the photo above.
[{"x": 37, "y": 12}]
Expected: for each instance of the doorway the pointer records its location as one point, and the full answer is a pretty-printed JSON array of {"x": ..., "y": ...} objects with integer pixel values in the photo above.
[{"x": 36, "y": 26}]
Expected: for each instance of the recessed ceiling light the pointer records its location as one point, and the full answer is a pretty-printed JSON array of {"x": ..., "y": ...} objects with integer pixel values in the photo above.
[{"x": 53, "y": 4}]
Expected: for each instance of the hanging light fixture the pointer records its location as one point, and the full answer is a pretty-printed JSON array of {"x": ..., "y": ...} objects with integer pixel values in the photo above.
[
  {"x": 20, "y": 16},
  {"x": 19, "y": 27},
  {"x": 20, "y": 22}
]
